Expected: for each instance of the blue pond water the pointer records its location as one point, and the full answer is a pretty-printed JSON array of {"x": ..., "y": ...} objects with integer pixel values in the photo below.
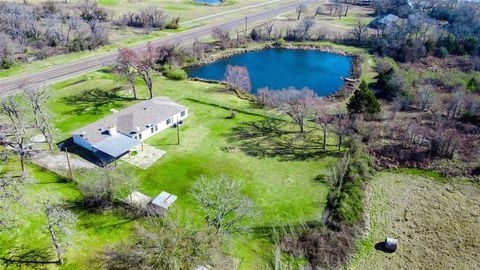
[
  {"x": 281, "y": 68},
  {"x": 209, "y": 2}
]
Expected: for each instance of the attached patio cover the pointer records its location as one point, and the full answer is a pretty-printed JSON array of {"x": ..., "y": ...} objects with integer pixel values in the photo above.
[{"x": 116, "y": 145}]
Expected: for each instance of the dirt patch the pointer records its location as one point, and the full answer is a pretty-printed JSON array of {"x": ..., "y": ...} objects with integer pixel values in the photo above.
[{"x": 435, "y": 223}]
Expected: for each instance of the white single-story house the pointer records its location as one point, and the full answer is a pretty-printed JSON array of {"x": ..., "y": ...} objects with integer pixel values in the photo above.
[{"x": 115, "y": 135}]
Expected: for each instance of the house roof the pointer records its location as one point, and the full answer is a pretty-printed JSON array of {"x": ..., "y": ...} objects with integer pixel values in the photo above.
[
  {"x": 383, "y": 21},
  {"x": 129, "y": 120},
  {"x": 164, "y": 200},
  {"x": 116, "y": 145}
]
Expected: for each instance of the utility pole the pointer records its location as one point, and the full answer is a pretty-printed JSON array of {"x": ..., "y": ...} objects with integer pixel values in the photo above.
[
  {"x": 246, "y": 25},
  {"x": 178, "y": 133},
  {"x": 68, "y": 162}
]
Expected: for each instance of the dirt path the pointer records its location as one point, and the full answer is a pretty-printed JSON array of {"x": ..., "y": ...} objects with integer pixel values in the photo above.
[{"x": 57, "y": 162}]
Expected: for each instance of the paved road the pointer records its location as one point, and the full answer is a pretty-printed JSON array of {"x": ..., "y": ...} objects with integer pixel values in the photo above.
[{"x": 57, "y": 73}]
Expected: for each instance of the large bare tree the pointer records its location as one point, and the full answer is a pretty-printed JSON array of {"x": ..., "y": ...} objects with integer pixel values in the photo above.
[
  {"x": 297, "y": 104},
  {"x": 60, "y": 222},
  {"x": 125, "y": 68},
  {"x": 359, "y": 31},
  {"x": 11, "y": 196},
  {"x": 238, "y": 78},
  {"x": 142, "y": 63},
  {"x": 37, "y": 97},
  {"x": 14, "y": 132},
  {"x": 222, "y": 203},
  {"x": 166, "y": 245},
  {"x": 342, "y": 125},
  {"x": 324, "y": 119},
  {"x": 300, "y": 9}
]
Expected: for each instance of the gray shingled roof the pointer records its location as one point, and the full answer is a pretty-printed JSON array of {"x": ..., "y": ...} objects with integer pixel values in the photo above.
[{"x": 142, "y": 114}]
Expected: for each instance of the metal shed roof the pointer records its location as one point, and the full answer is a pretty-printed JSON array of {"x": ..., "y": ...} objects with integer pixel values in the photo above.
[
  {"x": 116, "y": 145},
  {"x": 164, "y": 200}
]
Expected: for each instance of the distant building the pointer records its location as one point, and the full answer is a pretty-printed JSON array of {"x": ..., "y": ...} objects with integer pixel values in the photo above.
[
  {"x": 380, "y": 22},
  {"x": 115, "y": 135}
]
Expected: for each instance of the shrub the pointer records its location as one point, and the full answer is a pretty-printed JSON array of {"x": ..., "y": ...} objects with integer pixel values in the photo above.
[
  {"x": 280, "y": 42},
  {"x": 441, "y": 52},
  {"x": 174, "y": 23},
  {"x": 347, "y": 205},
  {"x": 473, "y": 85},
  {"x": 176, "y": 74},
  {"x": 6, "y": 63}
]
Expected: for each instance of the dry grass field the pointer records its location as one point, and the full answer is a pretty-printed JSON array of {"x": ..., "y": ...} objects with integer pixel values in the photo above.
[{"x": 436, "y": 223}]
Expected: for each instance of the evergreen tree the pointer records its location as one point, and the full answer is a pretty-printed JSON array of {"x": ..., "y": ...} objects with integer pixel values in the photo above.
[{"x": 363, "y": 101}]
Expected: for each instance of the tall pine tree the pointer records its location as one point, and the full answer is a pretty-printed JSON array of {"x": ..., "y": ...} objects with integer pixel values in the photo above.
[{"x": 363, "y": 101}]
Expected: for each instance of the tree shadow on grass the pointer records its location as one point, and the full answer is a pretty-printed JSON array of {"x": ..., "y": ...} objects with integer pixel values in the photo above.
[
  {"x": 95, "y": 100},
  {"x": 20, "y": 257},
  {"x": 268, "y": 139}
]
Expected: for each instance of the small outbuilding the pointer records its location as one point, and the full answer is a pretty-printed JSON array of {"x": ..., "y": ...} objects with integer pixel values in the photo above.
[
  {"x": 157, "y": 206},
  {"x": 164, "y": 200},
  {"x": 138, "y": 199},
  {"x": 391, "y": 244}
]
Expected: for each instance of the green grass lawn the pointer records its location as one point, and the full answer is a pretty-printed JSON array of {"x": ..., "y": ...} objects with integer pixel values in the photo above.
[
  {"x": 284, "y": 191},
  {"x": 435, "y": 222},
  {"x": 92, "y": 233}
]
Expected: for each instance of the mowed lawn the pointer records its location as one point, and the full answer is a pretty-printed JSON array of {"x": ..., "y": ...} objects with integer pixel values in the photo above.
[
  {"x": 285, "y": 192},
  {"x": 435, "y": 221}
]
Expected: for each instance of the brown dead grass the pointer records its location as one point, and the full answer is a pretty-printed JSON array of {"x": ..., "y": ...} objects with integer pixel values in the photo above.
[{"x": 437, "y": 224}]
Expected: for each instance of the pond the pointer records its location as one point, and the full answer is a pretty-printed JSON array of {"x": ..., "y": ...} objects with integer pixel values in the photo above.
[
  {"x": 209, "y": 2},
  {"x": 282, "y": 68}
]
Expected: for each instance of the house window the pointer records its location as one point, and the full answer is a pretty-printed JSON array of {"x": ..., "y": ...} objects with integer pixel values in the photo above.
[
  {"x": 140, "y": 136},
  {"x": 156, "y": 127},
  {"x": 152, "y": 130},
  {"x": 169, "y": 121},
  {"x": 182, "y": 114}
]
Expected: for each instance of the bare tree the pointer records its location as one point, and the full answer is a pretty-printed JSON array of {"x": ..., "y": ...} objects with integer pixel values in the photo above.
[
  {"x": 426, "y": 96},
  {"x": 297, "y": 104},
  {"x": 455, "y": 102},
  {"x": 359, "y": 30},
  {"x": 59, "y": 222},
  {"x": 300, "y": 9},
  {"x": 324, "y": 120},
  {"x": 125, "y": 68},
  {"x": 342, "y": 125},
  {"x": 166, "y": 245},
  {"x": 11, "y": 196},
  {"x": 224, "y": 207},
  {"x": 37, "y": 97},
  {"x": 222, "y": 36},
  {"x": 143, "y": 64},
  {"x": 106, "y": 186},
  {"x": 318, "y": 11},
  {"x": 306, "y": 24},
  {"x": 238, "y": 78},
  {"x": 268, "y": 27},
  {"x": 14, "y": 133}
]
